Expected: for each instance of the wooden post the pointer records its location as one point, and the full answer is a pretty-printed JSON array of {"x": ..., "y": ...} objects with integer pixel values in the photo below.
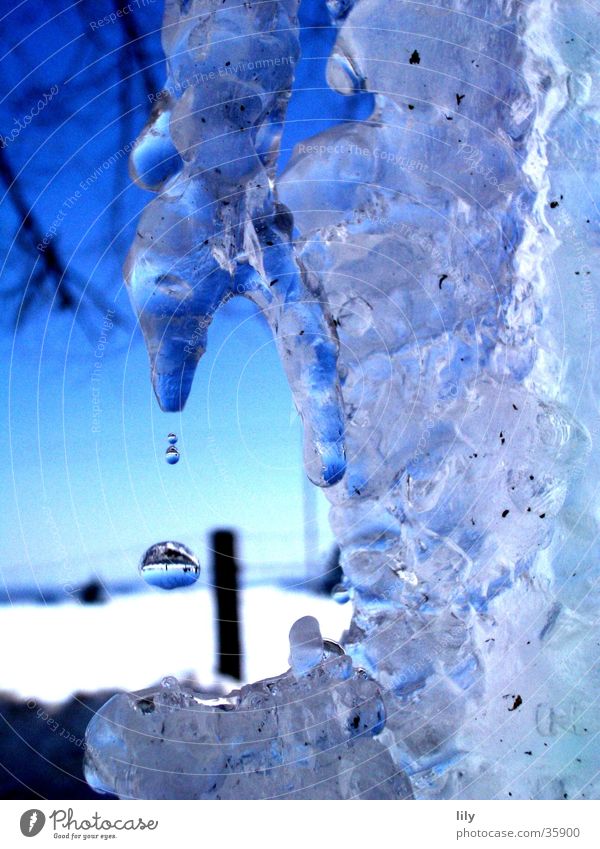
[{"x": 225, "y": 581}]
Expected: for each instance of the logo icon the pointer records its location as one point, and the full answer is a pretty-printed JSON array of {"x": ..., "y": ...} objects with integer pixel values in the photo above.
[{"x": 32, "y": 822}]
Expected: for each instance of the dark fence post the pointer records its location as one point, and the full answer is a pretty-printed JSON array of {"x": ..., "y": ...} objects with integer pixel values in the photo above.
[{"x": 225, "y": 581}]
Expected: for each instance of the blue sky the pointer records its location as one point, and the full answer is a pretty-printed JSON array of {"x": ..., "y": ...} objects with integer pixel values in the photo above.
[{"x": 82, "y": 483}]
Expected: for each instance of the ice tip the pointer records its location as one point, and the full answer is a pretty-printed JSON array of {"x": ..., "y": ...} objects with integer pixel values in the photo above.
[
  {"x": 331, "y": 466},
  {"x": 335, "y": 470},
  {"x": 172, "y": 388}
]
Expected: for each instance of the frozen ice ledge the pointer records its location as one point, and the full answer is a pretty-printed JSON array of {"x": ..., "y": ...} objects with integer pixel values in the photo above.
[{"x": 305, "y": 734}]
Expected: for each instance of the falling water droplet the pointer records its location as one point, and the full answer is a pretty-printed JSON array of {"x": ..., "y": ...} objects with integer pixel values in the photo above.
[
  {"x": 340, "y": 593},
  {"x": 172, "y": 437},
  {"x": 172, "y": 455},
  {"x": 169, "y": 565}
]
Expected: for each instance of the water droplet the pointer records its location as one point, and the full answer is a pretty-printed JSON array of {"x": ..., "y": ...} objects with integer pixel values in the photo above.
[
  {"x": 172, "y": 455},
  {"x": 340, "y": 593},
  {"x": 169, "y": 565},
  {"x": 306, "y": 645},
  {"x": 172, "y": 437}
]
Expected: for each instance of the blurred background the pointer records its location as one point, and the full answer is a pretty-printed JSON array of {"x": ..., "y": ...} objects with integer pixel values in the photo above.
[{"x": 86, "y": 486}]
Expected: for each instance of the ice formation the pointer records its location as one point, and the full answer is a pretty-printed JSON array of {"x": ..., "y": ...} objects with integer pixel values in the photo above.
[
  {"x": 304, "y": 734},
  {"x": 428, "y": 227},
  {"x": 426, "y": 238},
  {"x": 217, "y": 229}
]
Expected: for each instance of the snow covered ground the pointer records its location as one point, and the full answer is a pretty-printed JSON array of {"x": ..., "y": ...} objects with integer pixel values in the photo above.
[{"x": 133, "y": 641}]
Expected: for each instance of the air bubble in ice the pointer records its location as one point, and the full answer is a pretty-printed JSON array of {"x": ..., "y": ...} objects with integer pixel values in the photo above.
[
  {"x": 172, "y": 455},
  {"x": 355, "y": 316},
  {"x": 169, "y": 693},
  {"x": 340, "y": 593},
  {"x": 332, "y": 649},
  {"x": 169, "y": 565}
]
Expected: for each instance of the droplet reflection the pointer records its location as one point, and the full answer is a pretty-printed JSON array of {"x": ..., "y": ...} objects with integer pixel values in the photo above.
[
  {"x": 172, "y": 455},
  {"x": 169, "y": 565}
]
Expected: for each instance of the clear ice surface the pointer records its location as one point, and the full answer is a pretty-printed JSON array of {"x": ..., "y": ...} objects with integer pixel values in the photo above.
[{"x": 448, "y": 241}]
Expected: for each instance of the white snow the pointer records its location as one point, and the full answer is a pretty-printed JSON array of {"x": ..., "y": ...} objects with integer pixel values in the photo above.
[{"x": 133, "y": 641}]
